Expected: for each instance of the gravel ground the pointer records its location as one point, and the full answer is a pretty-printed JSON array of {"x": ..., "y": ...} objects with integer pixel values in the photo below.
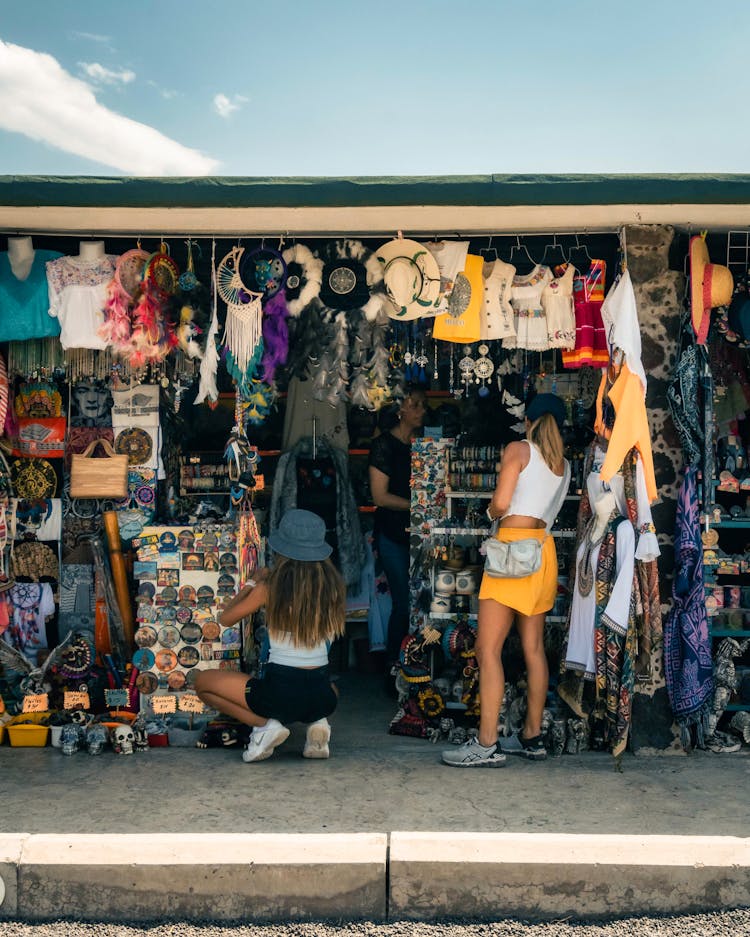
[{"x": 734, "y": 923}]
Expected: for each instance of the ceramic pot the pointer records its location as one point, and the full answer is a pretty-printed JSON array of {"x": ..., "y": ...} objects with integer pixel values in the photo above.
[
  {"x": 440, "y": 604},
  {"x": 466, "y": 582},
  {"x": 445, "y": 582}
]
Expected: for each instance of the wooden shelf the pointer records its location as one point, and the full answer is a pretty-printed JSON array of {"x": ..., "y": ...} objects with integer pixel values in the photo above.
[{"x": 729, "y": 633}]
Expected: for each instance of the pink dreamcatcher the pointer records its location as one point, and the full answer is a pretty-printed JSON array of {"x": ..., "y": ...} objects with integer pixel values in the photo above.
[
  {"x": 122, "y": 292},
  {"x": 153, "y": 335}
]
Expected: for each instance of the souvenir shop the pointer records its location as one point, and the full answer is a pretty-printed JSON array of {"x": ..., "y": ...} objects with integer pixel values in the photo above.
[{"x": 165, "y": 399}]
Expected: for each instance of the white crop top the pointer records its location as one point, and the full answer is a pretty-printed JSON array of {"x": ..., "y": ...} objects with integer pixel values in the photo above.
[
  {"x": 539, "y": 492},
  {"x": 282, "y": 651}
]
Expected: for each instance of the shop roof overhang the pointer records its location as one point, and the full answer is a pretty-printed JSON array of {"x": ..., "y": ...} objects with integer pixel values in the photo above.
[{"x": 368, "y": 205}]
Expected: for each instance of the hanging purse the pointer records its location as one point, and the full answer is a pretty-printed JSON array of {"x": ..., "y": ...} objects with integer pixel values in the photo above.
[
  {"x": 99, "y": 478},
  {"x": 512, "y": 560}
]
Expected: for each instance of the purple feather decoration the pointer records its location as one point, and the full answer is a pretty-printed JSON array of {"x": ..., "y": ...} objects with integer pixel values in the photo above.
[{"x": 275, "y": 335}]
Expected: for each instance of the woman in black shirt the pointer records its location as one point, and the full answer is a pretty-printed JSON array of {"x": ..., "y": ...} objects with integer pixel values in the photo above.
[{"x": 390, "y": 472}]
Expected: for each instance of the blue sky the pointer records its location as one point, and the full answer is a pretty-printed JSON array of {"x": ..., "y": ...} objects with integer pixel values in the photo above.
[{"x": 290, "y": 87}]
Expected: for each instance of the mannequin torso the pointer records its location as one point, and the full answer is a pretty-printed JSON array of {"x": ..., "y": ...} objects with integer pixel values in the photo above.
[
  {"x": 90, "y": 251},
  {"x": 21, "y": 256}
]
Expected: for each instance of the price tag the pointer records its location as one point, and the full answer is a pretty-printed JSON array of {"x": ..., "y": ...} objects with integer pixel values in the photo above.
[
  {"x": 76, "y": 699},
  {"x": 163, "y": 704},
  {"x": 260, "y": 483},
  {"x": 116, "y": 698},
  {"x": 36, "y": 703},
  {"x": 190, "y": 703}
]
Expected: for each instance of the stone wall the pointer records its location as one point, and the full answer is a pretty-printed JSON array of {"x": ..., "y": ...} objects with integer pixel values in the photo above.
[{"x": 659, "y": 293}]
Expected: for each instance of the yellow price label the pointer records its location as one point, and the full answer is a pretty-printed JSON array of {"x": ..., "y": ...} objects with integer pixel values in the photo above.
[
  {"x": 163, "y": 704},
  {"x": 35, "y": 703},
  {"x": 76, "y": 699}
]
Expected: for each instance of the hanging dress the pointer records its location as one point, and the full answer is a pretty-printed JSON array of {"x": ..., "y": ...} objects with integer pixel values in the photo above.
[
  {"x": 591, "y": 340},
  {"x": 528, "y": 313},
  {"x": 497, "y": 312},
  {"x": 557, "y": 300}
]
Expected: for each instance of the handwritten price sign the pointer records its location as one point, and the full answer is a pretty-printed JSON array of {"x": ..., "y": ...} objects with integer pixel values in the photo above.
[
  {"x": 76, "y": 699},
  {"x": 116, "y": 698},
  {"x": 36, "y": 703},
  {"x": 163, "y": 704},
  {"x": 190, "y": 703}
]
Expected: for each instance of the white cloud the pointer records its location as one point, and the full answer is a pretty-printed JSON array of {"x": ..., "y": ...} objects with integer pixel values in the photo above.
[
  {"x": 39, "y": 99},
  {"x": 105, "y": 76},
  {"x": 94, "y": 37},
  {"x": 166, "y": 93},
  {"x": 225, "y": 106}
]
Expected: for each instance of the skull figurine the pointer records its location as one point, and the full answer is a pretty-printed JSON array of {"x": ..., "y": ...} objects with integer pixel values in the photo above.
[
  {"x": 122, "y": 740},
  {"x": 140, "y": 736},
  {"x": 96, "y": 738},
  {"x": 72, "y": 738}
]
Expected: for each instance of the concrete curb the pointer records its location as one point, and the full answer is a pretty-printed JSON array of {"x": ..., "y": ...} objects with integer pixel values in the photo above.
[
  {"x": 204, "y": 877},
  {"x": 490, "y": 876},
  {"x": 367, "y": 876}
]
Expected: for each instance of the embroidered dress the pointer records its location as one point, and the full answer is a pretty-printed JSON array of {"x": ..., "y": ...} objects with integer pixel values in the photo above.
[
  {"x": 529, "y": 319},
  {"x": 557, "y": 300},
  {"x": 591, "y": 341},
  {"x": 77, "y": 293},
  {"x": 24, "y": 303},
  {"x": 497, "y": 312}
]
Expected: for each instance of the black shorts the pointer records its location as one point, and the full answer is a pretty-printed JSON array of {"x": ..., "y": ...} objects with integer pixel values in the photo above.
[{"x": 291, "y": 694}]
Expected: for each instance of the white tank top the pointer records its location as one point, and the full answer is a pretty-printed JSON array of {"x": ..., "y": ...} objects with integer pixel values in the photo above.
[
  {"x": 282, "y": 651},
  {"x": 539, "y": 492}
]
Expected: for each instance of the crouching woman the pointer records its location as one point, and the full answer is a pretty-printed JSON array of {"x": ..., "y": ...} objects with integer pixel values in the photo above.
[{"x": 304, "y": 600}]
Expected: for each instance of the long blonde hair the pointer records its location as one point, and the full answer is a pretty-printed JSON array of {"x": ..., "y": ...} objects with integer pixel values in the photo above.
[
  {"x": 546, "y": 437},
  {"x": 307, "y": 600}
]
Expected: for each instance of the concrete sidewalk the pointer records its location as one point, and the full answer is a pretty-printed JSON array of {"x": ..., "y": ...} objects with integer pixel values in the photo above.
[{"x": 373, "y": 788}]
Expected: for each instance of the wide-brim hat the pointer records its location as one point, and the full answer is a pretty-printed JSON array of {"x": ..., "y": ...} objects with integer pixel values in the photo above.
[
  {"x": 711, "y": 285},
  {"x": 300, "y": 536},
  {"x": 412, "y": 279}
]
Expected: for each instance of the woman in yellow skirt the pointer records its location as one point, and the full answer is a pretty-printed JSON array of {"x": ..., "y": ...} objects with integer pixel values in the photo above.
[{"x": 531, "y": 486}]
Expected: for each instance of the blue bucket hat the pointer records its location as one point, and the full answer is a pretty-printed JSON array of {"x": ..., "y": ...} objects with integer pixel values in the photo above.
[
  {"x": 300, "y": 536},
  {"x": 547, "y": 403}
]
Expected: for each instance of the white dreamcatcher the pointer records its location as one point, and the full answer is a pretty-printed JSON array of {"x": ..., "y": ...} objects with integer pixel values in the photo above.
[{"x": 243, "y": 327}]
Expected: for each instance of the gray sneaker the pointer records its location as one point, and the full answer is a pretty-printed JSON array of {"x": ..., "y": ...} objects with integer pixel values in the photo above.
[
  {"x": 473, "y": 755},
  {"x": 527, "y": 748}
]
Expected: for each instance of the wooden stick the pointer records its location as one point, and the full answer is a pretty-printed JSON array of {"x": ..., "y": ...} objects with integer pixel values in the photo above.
[{"x": 119, "y": 575}]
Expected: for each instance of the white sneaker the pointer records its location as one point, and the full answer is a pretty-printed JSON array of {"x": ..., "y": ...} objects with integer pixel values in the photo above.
[
  {"x": 264, "y": 739},
  {"x": 318, "y": 737}
]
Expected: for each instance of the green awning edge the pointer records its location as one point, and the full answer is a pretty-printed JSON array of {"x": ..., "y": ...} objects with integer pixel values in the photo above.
[{"x": 321, "y": 192}]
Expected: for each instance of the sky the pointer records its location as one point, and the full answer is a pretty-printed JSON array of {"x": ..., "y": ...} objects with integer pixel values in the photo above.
[{"x": 392, "y": 87}]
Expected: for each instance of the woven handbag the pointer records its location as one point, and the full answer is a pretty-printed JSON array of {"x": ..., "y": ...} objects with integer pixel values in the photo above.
[{"x": 99, "y": 478}]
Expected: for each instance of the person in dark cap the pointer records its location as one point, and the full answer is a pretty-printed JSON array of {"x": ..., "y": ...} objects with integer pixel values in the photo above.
[
  {"x": 304, "y": 598},
  {"x": 531, "y": 486}
]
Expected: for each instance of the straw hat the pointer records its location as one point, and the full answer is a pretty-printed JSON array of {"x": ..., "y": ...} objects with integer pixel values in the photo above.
[
  {"x": 711, "y": 285},
  {"x": 412, "y": 279}
]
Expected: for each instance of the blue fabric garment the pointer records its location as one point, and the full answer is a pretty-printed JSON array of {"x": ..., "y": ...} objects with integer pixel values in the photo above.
[
  {"x": 24, "y": 304},
  {"x": 394, "y": 558},
  {"x": 688, "y": 667}
]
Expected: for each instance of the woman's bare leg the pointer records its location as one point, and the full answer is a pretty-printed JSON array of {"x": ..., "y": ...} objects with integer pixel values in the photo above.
[
  {"x": 531, "y": 630},
  {"x": 225, "y": 690},
  {"x": 495, "y": 622}
]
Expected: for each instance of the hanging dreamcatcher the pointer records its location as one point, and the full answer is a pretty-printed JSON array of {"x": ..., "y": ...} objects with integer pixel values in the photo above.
[
  {"x": 303, "y": 279},
  {"x": 153, "y": 334},
  {"x": 122, "y": 291},
  {"x": 243, "y": 337},
  {"x": 264, "y": 271}
]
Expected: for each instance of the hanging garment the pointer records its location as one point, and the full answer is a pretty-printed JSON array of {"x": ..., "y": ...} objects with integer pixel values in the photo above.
[
  {"x": 136, "y": 426},
  {"x": 451, "y": 261},
  {"x": 497, "y": 321},
  {"x": 557, "y": 301},
  {"x": 630, "y": 426},
  {"x": 688, "y": 667},
  {"x": 529, "y": 319},
  {"x": 348, "y": 531},
  {"x": 622, "y": 329},
  {"x": 683, "y": 397},
  {"x": 619, "y": 656},
  {"x": 77, "y": 293},
  {"x": 24, "y": 304},
  {"x": 461, "y": 324},
  {"x": 305, "y": 415},
  {"x": 591, "y": 342}
]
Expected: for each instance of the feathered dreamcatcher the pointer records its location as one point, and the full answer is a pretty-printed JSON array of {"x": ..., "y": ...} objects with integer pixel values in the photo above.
[
  {"x": 153, "y": 335},
  {"x": 243, "y": 335},
  {"x": 264, "y": 271},
  {"x": 189, "y": 328},
  {"x": 352, "y": 278},
  {"x": 122, "y": 292},
  {"x": 303, "y": 278}
]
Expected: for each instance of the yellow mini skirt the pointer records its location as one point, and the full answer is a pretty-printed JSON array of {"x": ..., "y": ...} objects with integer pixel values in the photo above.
[{"x": 530, "y": 595}]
